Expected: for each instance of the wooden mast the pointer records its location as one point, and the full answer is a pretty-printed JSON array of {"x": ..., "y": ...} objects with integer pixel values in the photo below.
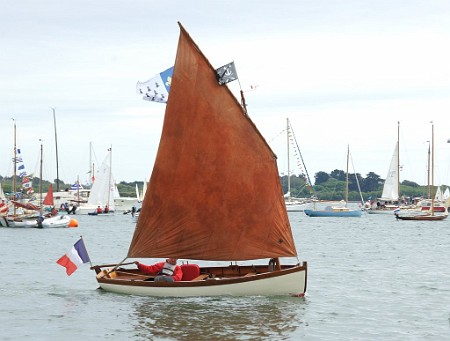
[
  {"x": 91, "y": 165},
  {"x": 432, "y": 169},
  {"x": 109, "y": 179},
  {"x": 15, "y": 166},
  {"x": 346, "y": 178},
  {"x": 428, "y": 171},
  {"x": 398, "y": 162},
  {"x": 288, "y": 161},
  {"x": 40, "y": 181},
  {"x": 56, "y": 147}
]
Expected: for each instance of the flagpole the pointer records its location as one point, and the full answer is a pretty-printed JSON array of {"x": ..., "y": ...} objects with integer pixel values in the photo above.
[
  {"x": 244, "y": 105},
  {"x": 90, "y": 263}
]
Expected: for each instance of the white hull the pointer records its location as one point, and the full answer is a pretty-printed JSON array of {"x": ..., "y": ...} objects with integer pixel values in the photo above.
[
  {"x": 57, "y": 221},
  {"x": 370, "y": 211},
  {"x": 70, "y": 197},
  {"x": 4, "y": 222},
  {"x": 286, "y": 283},
  {"x": 124, "y": 204},
  {"x": 296, "y": 207},
  {"x": 88, "y": 209}
]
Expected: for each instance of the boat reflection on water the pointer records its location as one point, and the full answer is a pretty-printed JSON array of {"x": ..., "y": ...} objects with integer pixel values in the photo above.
[{"x": 223, "y": 318}]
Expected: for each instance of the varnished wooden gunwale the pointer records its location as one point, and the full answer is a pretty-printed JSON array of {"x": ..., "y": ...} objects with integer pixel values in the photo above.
[{"x": 222, "y": 276}]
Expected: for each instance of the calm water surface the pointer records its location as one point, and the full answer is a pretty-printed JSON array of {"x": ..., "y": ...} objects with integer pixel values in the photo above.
[{"x": 370, "y": 278}]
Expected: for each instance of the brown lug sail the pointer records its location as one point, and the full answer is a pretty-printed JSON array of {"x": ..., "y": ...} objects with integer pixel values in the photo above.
[{"x": 203, "y": 201}]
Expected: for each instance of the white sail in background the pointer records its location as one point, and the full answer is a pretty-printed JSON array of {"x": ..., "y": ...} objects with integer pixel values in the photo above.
[
  {"x": 439, "y": 196},
  {"x": 144, "y": 189},
  {"x": 446, "y": 194},
  {"x": 116, "y": 192},
  {"x": 390, "y": 189},
  {"x": 103, "y": 188},
  {"x": 137, "y": 194}
]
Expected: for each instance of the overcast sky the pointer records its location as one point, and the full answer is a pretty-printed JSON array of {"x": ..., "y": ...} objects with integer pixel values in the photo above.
[{"x": 343, "y": 72}]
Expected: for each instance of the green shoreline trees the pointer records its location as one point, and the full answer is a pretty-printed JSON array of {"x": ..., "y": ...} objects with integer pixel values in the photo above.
[{"x": 327, "y": 186}]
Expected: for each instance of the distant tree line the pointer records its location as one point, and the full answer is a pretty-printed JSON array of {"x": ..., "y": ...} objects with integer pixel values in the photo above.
[
  {"x": 126, "y": 189},
  {"x": 327, "y": 186},
  {"x": 331, "y": 186}
]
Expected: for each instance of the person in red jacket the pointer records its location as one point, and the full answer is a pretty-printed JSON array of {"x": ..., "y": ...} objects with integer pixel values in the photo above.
[{"x": 167, "y": 271}]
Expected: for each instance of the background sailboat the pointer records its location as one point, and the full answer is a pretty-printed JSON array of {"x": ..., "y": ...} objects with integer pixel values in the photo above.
[
  {"x": 23, "y": 213},
  {"x": 103, "y": 189},
  {"x": 2, "y": 194},
  {"x": 337, "y": 211},
  {"x": 294, "y": 204},
  {"x": 389, "y": 200},
  {"x": 430, "y": 214}
]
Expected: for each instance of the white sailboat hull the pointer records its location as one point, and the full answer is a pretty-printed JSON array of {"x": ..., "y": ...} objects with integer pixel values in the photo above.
[
  {"x": 57, "y": 221},
  {"x": 285, "y": 283},
  {"x": 124, "y": 204},
  {"x": 6, "y": 222},
  {"x": 297, "y": 206},
  {"x": 90, "y": 210}
]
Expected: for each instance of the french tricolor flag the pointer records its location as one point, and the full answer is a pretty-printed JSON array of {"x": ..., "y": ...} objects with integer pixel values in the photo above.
[{"x": 76, "y": 256}]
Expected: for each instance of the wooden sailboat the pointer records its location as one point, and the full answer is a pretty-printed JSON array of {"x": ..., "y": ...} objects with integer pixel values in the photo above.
[
  {"x": 30, "y": 212},
  {"x": 212, "y": 174},
  {"x": 430, "y": 214},
  {"x": 337, "y": 211},
  {"x": 39, "y": 220}
]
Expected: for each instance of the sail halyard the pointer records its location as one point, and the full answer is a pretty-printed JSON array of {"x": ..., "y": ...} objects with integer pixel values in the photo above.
[{"x": 214, "y": 193}]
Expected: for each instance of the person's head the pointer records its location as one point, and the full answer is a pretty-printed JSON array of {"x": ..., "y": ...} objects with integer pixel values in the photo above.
[{"x": 172, "y": 261}]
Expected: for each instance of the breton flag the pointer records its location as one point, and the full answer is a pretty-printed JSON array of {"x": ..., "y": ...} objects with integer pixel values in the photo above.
[
  {"x": 226, "y": 73},
  {"x": 76, "y": 256},
  {"x": 76, "y": 186},
  {"x": 157, "y": 88}
]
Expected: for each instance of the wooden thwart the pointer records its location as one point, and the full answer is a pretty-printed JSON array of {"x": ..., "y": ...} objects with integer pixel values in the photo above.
[
  {"x": 250, "y": 274},
  {"x": 201, "y": 277}
]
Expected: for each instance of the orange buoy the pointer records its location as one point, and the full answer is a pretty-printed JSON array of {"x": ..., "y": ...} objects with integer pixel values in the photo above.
[{"x": 73, "y": 223}]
